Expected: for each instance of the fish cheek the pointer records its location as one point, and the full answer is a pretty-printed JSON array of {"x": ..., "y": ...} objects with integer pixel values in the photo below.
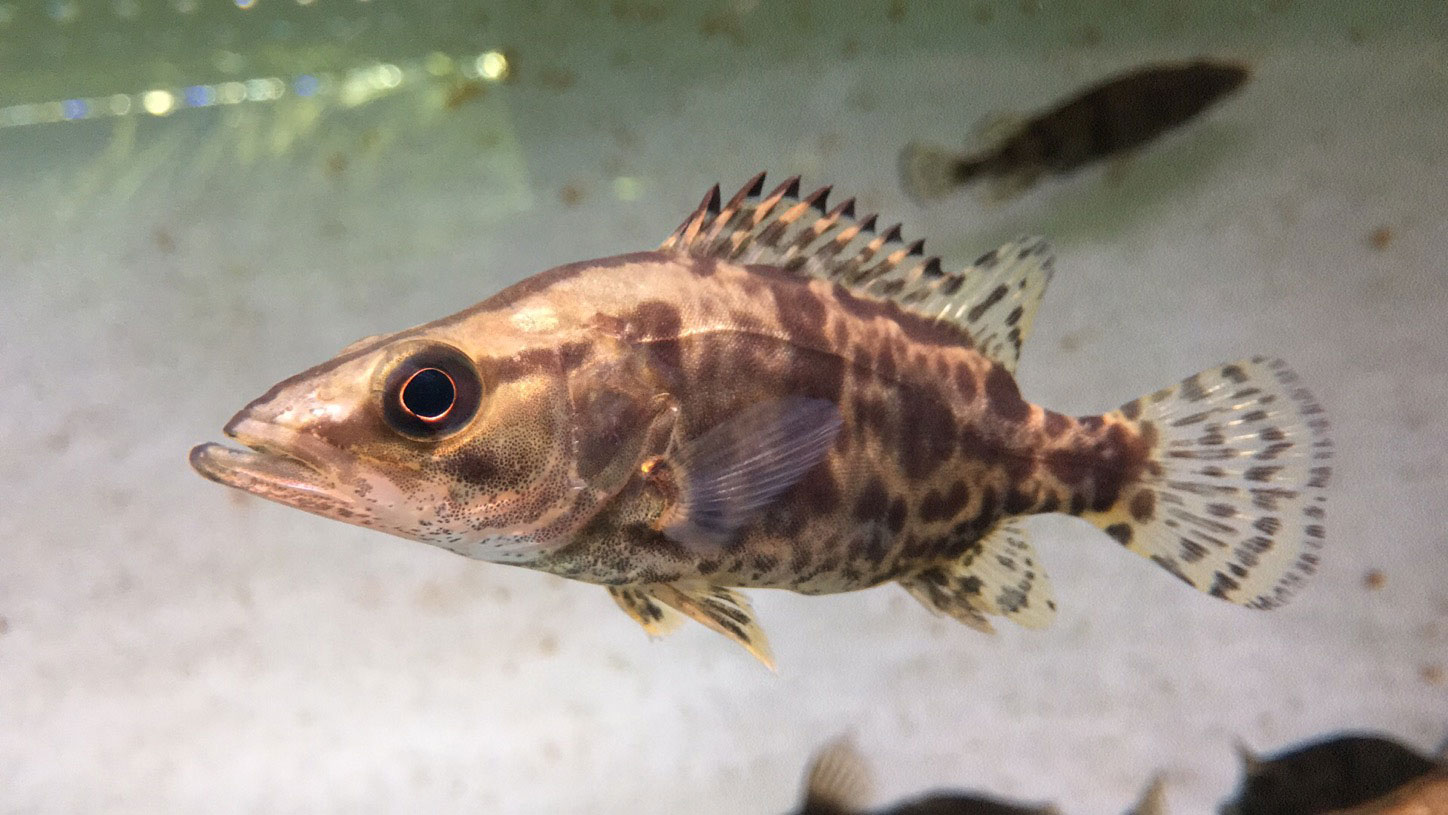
[{"x": 604, "y": 421}]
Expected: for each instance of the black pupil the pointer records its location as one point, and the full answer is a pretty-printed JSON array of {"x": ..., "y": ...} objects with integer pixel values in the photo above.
[{"x": 429, "y": 393}]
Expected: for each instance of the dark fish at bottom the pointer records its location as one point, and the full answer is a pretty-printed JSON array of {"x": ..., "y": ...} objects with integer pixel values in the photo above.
[
  {"x": 1325, "y": 776},
  {"x": 1106, "y": 120},
  {"x": 838, "y": 783}
]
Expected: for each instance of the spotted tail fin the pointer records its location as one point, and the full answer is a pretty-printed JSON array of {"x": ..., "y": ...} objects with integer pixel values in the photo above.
[{"x": 1231, "y": 499}]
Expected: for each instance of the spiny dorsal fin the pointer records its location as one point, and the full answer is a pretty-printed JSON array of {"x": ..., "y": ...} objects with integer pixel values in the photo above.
[
  {"x": 837, "y": 782},
  {"x": 993, "y": 301}
]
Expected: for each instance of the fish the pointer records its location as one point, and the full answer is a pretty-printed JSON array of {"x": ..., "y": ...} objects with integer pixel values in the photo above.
[
  {"x": 837, "y": 782},
  {"x": 1424, "y": 795},
  {"x": 783, "y": 395},
  {"x": 1338, "y": 772},
  {"x": 1108, "y": 119}
]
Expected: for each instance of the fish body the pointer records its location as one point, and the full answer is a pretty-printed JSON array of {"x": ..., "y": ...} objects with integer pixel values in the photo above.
[
  {"x": 782, "y": 396},
  {"x": 1424, "y": 795},
  {"x": 1326, "y": 775},
  {"x": 837, "y": 782},
  {"x": 1106, "y": 120}
]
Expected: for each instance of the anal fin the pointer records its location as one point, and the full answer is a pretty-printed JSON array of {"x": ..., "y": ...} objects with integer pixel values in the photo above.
[
  {"x": 715, "y": 607},
  {"x": 998, "y": 577},
  {"x": 640, "y": 604}
]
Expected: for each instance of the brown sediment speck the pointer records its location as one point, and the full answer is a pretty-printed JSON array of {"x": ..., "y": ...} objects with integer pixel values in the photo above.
[
  {"x": 1432, "y": 673},
  {"x": 850, "y": 48},
  {"x": 4, "y": 626},
  {"x": 896, "y": 12},
  {"x": 1090, "y": 36},
  {"x": 163, "y": 240},
  {"x": 557, "y": 79},
  {"x": 1374, "y": 580},
  {"x": 463, "y": 92},
  {"x": 1072, "y": 341},
  {"x": 571, "y": 195},
  {"x": 336, "y": 165},
  {"x": 1380, "y": 238},
  {"x": 548, "y": 644},
  {"x": 1356, "y": 35},
  {"x": 725, "y": 23},
  {"x": 983, "y": 13}
]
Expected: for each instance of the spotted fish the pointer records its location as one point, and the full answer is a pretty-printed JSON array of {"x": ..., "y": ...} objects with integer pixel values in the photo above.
[
  {"x": 1109, "y": 119},
  {"x": 783, "y": 396}
]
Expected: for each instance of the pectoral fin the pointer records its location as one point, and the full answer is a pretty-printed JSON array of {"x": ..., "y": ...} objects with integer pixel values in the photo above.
[
  {"x": 722, "y": 479},
  {"x": 715, "y": 607}
]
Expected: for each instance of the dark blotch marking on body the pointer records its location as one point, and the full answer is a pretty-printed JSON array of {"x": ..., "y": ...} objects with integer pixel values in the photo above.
[
  {"x": 965, "y": 386},
  {"x": 656, "y": 320},
  {"x": 525, "y": 363},
  {"x": 1055, "y": 424},
  {"x": 929, "y": 438},
  {"x": 818, "y": 493},
  {"x": 1143, "y": 506},
  {"x": 1018, "y": 501},
  {"x": 896, "y": 518},
  {"x": 802, "y": 315},
  {"x": 938, "y": 506},
  {"x": 815, "y": 374},
  {"x": 1004, "y": 397},
  {"x": 1121, "y": 532},
  {"x": 872, "y": 502}
]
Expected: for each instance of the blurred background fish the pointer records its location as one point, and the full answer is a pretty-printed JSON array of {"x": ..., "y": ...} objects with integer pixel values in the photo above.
[
  {"x": 1105, "y": 121},
  {"x": 837, "y": 782},
  {"x": 1424, "y": 795},
  {"x": 1333, "y": 773}
]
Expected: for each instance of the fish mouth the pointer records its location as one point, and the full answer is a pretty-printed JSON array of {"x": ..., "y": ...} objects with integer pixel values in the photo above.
[{"x": 279, "y": 464}]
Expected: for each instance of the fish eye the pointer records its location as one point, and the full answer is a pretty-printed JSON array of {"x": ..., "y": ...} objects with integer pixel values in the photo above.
[{"x": 431, "y": 393}]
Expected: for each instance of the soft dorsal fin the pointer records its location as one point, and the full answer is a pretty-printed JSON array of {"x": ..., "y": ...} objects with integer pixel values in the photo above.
[
  {"x": 994, "y": 300},
  {"x": 837, "y": 781}
]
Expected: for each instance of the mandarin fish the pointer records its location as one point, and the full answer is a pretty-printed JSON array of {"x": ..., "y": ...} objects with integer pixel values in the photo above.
[
  {"x": 1107, "y": 120},
  {"x": 1326, "y": 775},
  {"x": 781, "y": 396},
  {"x": 838, "y": 782}
]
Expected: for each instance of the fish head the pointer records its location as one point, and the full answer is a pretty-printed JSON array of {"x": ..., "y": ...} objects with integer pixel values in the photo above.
[{"x": 432, "y": 434}]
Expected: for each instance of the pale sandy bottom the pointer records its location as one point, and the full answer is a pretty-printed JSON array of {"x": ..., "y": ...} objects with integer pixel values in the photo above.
[{"x": 169, "y": 646}]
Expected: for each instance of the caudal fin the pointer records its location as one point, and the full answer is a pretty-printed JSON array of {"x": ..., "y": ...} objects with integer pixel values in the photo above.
[
  {"x": 1232, "y": 498},
  {"x": 929, "y": 172}
]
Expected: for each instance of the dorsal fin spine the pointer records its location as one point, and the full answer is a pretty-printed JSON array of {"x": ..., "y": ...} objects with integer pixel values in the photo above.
[{"x": 993, "y": 302}]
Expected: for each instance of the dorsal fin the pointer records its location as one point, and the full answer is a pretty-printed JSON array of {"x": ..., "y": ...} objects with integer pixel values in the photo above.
[
  {"x": 994, "y": 300},
  {"x": 837, "y": 781}
]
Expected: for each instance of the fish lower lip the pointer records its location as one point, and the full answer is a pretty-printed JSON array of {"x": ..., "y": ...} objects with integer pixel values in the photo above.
[
  {"x": 244, "y": 468},
  {"x": 269, "y": 466}
]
